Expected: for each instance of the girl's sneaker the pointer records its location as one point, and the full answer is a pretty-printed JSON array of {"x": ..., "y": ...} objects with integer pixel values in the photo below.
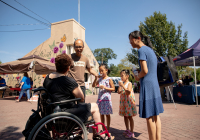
[
  {"x": 129, "y": 135},
  {"x": 125, "y": 132}
]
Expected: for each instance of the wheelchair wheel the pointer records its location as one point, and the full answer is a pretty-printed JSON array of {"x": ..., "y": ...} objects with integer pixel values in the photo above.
[{"x": 59, "y": 126}]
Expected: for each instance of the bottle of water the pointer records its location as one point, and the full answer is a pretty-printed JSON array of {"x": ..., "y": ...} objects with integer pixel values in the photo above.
[{"x": 134, "y": 69}]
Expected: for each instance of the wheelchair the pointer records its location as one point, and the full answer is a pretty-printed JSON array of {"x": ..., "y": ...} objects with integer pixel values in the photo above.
[{"x": 58, "y": 125}]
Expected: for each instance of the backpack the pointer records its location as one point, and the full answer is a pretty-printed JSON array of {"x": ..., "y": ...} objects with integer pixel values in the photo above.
[
  {"x": 31, "y": 122},
  {"x": 166, "y": 71}
]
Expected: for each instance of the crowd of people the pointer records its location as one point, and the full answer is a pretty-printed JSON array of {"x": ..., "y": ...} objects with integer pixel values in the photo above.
[
  {"x": 68, "y": 83},
  {"x": 184, "y": 81}
]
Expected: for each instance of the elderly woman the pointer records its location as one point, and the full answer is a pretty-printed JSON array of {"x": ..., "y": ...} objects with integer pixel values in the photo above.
[{"x": 62, "y": 87}]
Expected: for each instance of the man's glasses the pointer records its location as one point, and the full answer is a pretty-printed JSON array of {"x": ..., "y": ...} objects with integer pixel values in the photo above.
[{"x": 78, "y": 47}]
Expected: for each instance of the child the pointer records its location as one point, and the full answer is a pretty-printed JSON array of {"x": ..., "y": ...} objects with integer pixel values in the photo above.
[
  {"x": 104, "y": 99},
  {"x": 127, "y": 103}
]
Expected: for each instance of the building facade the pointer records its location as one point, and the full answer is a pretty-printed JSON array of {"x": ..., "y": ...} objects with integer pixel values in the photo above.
[{"x": 63, "y": 35}]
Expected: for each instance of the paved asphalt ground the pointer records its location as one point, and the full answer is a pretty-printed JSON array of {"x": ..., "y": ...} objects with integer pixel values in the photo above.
[{"x": 180, "y": 124}]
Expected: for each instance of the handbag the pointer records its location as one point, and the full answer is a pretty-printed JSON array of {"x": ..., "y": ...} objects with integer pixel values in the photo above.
[
  {"x": 166, "y": 71},
  {"x": 162, "y": 70},
  {"x": 31, "y": 122}
]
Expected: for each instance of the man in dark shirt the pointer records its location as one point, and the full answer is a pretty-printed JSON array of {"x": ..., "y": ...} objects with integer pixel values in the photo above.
[
  {"x": 186, "y": 81},
  {"x": 2, "y": 84},
  {"x": 190, "y": 78}
]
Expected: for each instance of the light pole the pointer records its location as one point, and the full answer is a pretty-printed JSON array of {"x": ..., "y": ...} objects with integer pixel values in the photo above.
[{"x": 79, "y": 21}]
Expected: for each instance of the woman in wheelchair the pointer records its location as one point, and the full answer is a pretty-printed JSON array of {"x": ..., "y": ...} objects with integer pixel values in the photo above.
[{"x": 62, "y": 87}]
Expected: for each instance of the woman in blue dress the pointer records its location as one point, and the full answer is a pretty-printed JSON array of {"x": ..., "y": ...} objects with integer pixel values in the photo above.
[{"x": 150, "y": 103}]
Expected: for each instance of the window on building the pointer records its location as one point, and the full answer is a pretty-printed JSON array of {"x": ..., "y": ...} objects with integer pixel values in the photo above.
[
  {"x": 86, "y": 77},
  {"x": 70, "y": 49}
]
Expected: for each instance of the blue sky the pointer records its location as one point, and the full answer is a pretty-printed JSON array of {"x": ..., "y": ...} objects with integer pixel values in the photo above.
[{"x": 107, "y": 22}]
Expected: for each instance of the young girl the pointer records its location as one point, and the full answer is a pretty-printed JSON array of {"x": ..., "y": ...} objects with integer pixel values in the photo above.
[
  {"x": 104, "y": 99},
  {"x": 127, "y": 103}
]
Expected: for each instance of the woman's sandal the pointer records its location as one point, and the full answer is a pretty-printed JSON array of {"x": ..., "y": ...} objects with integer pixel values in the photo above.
[
  {"x": 125, "y": 132},
  {"x": 129, "y": 135}
]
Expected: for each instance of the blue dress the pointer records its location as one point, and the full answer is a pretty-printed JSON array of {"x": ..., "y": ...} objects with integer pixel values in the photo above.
[{"x": 150, "y": 102}]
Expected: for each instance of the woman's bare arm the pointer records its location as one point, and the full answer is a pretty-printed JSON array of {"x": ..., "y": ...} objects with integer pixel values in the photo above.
[
  {"x": 77, "y": 92},
  {"x": 144, "y": 70}
]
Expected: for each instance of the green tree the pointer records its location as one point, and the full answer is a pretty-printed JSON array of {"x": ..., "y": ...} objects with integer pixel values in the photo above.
[
  {"x": 0, "y": 62},
  {"x": 124, "y": 64},
  {"x": 165, "y": 38},
  {"x": 186, "y": 71},
  {"x": 197, "y": 74},
  {"x": 114, "y": 71},
  {"x": 106, "y": 53}
]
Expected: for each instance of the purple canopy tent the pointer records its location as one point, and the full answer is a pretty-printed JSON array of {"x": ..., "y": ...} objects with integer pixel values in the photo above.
[{"x": 190, "y": 57}]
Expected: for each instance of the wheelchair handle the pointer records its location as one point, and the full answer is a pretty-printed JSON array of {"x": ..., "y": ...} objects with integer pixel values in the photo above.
[
  {"x": 39, "y": 89},
  {"x": 65, "y": 101}
]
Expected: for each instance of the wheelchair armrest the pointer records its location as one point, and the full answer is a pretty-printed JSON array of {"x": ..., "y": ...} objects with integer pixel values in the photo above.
[
  {"x": 65, "y": 101},
  {"x": 39, "y": 89}
]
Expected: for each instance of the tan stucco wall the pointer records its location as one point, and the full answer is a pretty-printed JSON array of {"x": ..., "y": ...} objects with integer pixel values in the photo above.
[{"x": 70, "y": 29}]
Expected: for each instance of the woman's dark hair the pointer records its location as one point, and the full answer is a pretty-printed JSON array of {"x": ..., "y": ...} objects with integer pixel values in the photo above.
[
  {"x": 26, "y": 74},
  {"x": 127, "y": 72},
  {"x": 106, "y": 67},
  {"x": 62, "y": 62},
  {"x": 144, "y": 39}
]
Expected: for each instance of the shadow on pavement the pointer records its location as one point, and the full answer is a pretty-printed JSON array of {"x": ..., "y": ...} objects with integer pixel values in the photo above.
[
  {"x": 118, "y": 134},
  {"x": 13, "y": 98},
  {"x": 9, "y": 133},
  {"x": 8, "y": 98}
]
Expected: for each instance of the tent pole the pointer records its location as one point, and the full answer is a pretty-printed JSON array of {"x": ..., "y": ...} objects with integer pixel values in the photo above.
[
  {"x": 172, "y": 97},
  {"x": 195, "y": 80},
  {"x": 33, "y": 70}
]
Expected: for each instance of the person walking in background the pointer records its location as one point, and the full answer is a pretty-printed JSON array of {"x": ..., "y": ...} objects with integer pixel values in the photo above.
[
  {"x": 79, "y": 64},
  {"x": 104, "y": 98},
  {"x": 150, "y": 102},
  {"x": 135, "y": 86},
  {"x": 190, "y": 78},
  {"x": 2, "y": 84},
  {"x": 127, "y": 107},
  {"x": 25, "y": 86},
  {"x": 138, "y": 87}
]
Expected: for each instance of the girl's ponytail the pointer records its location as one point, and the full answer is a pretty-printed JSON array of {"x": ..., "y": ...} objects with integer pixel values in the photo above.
[
  {"x": 147, "y": 42},
  {"x": 144, "y": 39}
]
